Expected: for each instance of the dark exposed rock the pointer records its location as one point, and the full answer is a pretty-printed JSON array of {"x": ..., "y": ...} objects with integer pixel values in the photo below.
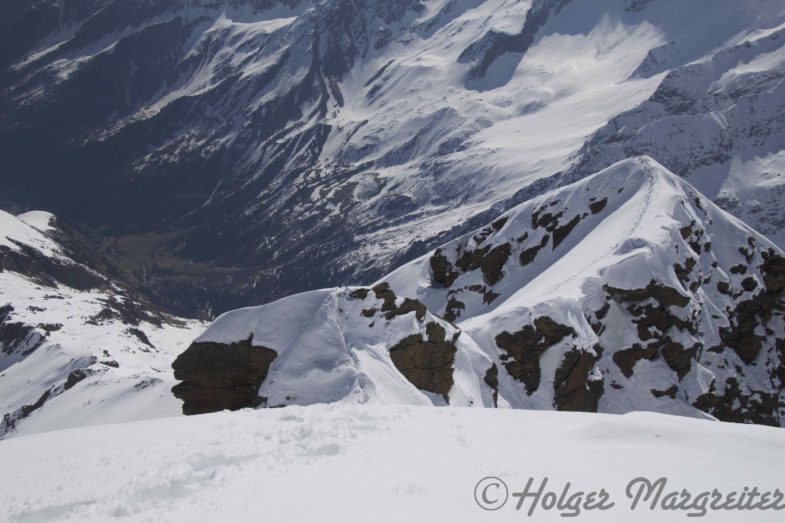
[
  {"x": 493, "y": 263},
  {"x": 742, "y": 334},
  {"x": 359, "y": 294},
  {"x": 749, "y": 284},
  {"x": 678, "y": 358},
  {"x": 383, "y": 292},
  {"x": 683, "y": 272},
  {"x": 525, "y": 347},
  {"x": 573, "y": 391},
  {"x": 74, "y": 377},
  {"x": 527, "y": 255},
  {"x": 686, "y": 231},
  {"x": 10, "y": 420},
  {"x": 443, "y": 273},
  {"x": 598, "y": 206},
  {"x": 218, "y": 376},
  {"x": 665, "y": 296},
  {"x": 427, "y": 363},
  {"x": 773, "y": 270},
  {"x": 489, "y": 260},
  {"x": 498, "y": 224},
  {"x": 739, "y": 269},
  {"x": 140, "y": 335},
  {"x": 471, "y": 260},
  {"x": 626, "y": 359},
  {"x": 409, "y": 305},
  {"x": 453, "y": 309},
  {"x": 17, "y": 337},
  {"x": 50, "y": 327},
  {"x": 737, "y": 406},
  {"x": 489, "y": 296},
  {"x": 47, "y": 271},
  {"x": 560, "y": 233},
  {"x": 492, "y": 380},
  {"x": 671, "y": 392}
]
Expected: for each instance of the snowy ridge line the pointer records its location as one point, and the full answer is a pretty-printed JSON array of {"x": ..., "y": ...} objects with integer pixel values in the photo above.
[{"x": 658, "y": 313}]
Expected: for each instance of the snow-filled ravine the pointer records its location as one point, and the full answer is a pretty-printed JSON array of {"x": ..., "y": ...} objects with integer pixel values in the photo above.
[{"x": 384, "y": 463}]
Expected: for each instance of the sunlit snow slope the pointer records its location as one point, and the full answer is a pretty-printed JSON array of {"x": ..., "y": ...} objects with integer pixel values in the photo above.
[
  {"x": 625, "y": 291},
  {"x": 76, "y": 347},
  {"x": 358, "y": 463}
]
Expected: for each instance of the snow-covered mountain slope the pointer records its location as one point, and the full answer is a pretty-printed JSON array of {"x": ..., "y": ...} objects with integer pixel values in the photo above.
[
  {"x": 77, "y": 347},
  {"x": 339, "y": 463},
  {"x": 625, "y": 291},
  {"x": 291, "y": 145},
  {"x": 718, "y": 121}
]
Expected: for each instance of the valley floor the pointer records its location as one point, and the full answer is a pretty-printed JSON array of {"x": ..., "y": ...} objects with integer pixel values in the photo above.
[{"x": 360, "y": 463}]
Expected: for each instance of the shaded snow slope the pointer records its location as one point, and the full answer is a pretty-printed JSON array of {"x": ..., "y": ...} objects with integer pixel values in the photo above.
[
  {"x": 625, "y": 291},
  {"x": 352, "y": 463},
  {"x": 76, "y": 347}
]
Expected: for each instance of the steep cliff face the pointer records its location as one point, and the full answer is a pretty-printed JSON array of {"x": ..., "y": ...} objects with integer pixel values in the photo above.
[
  {"x": 628, "y": 290},
  {"x": 230, "y": 153}
]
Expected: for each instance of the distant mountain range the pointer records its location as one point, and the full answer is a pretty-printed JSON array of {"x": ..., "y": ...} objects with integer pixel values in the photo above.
[
  {"x": 229, "y": 153},
  {"x": 551, "y": 204}
]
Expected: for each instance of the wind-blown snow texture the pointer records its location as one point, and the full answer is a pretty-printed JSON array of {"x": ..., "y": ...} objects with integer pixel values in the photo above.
[
  {"x": 625, "y": 291},
  {"x": 76, "y": 347},
  {"x": 236, "y": 152},
  {"x": 388, "y": 463}
]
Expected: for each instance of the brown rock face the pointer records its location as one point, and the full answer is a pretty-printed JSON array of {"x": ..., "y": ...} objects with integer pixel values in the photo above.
[
  {"x": 492, "y": 380},
  {"x": 739, "y": 406},
  {"x": 626, "y": 359},
  {"x": 525, "y": 347},
  {"x": 572, "y": 388},
  {"x": 443, "y": 273},
  {"x": 742, "y": 333},
  {"x": 665, "y": 296},
  {"x": 217, "y": 376},
  {"x": 427, "y": 364}
]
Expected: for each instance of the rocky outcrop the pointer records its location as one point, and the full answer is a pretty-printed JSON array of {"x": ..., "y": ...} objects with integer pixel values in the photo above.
[
  {"x": 573, "y": 388},
  {"x": 427, "y": 362},
  {"x": 735, "y": 404},
  {"x": 217, "y": 376},
  {"x": 524, "y": 348}
]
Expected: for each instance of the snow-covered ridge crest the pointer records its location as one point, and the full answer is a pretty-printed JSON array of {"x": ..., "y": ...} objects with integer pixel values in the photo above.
[
  {"x": 625, "y": 291},
  {"x": 353, "y": 344}
]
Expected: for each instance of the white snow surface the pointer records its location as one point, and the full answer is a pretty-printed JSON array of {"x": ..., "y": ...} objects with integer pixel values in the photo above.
[
  {"x": 374, "y": 463},
  {"x": 69, "y": 335},
  {"x": 28, "y": 229}
]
